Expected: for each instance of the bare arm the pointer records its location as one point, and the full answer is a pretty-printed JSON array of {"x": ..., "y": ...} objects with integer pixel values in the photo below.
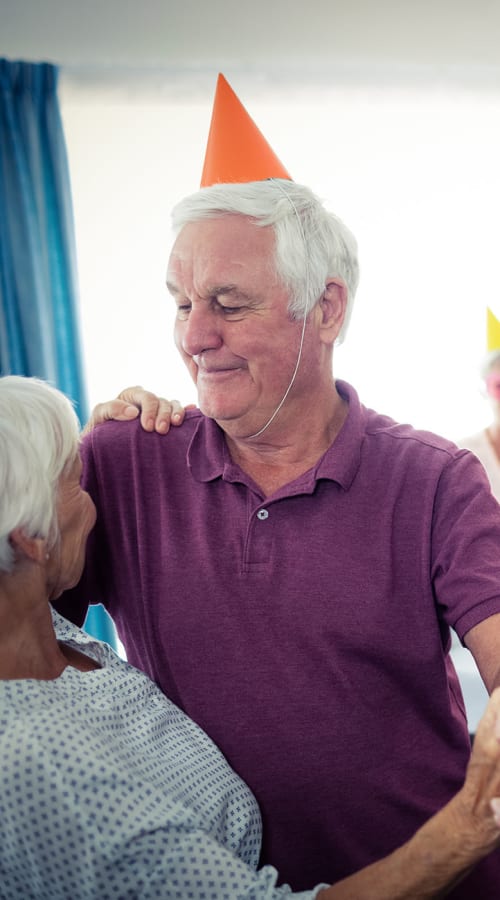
[
  {"x": 443, "y": 851},
  {"x": 156, "y": 413},
  {"x": 483, "y": 641}
]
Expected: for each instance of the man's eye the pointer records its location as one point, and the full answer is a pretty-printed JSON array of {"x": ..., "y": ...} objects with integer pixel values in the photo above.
[
  {"x": 231, "y": 310},
  {"x": 183, "y": 309}
]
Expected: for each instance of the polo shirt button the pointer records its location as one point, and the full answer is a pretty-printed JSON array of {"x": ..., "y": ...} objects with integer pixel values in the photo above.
[{"x": 262, "y": 514}]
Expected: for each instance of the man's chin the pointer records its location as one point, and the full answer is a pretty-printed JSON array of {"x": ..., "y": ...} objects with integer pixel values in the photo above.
[
  {"x": 215, "y": 405},
  {"x": 216, "y": 411},
  {"x": 229, "y": 418}
]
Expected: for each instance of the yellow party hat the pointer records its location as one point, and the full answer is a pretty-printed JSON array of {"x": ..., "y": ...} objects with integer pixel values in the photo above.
[{"x": 492, "y": 331}]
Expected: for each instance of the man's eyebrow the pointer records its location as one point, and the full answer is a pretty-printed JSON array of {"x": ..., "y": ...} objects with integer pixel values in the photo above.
[
  {"x": 216, "y": 290},
  {"x": 222, "y": 290}
]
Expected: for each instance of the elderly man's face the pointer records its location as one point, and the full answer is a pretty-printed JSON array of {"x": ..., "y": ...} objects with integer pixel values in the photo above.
[{"x": 232, "y": 327}]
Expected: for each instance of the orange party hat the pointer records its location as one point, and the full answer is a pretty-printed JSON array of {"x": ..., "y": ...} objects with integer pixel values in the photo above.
[{"x": 236, "y": 150}]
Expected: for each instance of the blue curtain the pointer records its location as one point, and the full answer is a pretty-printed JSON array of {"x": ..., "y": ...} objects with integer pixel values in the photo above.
[{"x": 39, "y": 333}]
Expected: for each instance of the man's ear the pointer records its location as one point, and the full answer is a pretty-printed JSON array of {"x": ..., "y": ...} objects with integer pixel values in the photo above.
[
  {"x": 333, "y": 305},
  {"x": 29, "y": 548}
]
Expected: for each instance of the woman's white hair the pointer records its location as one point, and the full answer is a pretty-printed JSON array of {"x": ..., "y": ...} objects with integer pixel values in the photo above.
[
  {"x": 312, "y": 244},
  {"x": 39, "y": 436}
]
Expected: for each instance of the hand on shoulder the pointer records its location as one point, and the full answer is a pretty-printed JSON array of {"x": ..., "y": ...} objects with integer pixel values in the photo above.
[{"x": 156, "y": 413}]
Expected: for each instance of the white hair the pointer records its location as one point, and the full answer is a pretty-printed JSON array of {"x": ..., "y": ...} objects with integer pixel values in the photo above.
[
  {"x": 312, "y": 244},
  {"x": 39, "y": 436}
]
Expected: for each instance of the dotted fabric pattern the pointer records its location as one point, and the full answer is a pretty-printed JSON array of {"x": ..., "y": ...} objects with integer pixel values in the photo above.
[{"x": 107, "y": 791}]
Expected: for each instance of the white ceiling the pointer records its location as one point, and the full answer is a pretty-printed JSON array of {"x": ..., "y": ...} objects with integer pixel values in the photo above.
[{"x": 266, "y": 37}]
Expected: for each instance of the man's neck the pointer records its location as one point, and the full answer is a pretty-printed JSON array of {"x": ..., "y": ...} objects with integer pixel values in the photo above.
[{"x": 281, "y": 454}]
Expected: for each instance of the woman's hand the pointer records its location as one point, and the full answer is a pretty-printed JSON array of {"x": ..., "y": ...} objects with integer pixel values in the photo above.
[
  {"x": 480, "y": 794},
  {"x": 450, "y": 843},
  {"x": 156, "y": 413}
]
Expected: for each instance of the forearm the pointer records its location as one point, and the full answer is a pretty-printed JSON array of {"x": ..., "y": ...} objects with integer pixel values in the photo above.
[{"x": 438, "y": 856}]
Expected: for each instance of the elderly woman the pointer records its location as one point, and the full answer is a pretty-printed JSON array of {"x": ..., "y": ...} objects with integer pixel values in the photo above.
[
  {"x": 486, "y": 443},
  {"x": 107, "y": 789}
]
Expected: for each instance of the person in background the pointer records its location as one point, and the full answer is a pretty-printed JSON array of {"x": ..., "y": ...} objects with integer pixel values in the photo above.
[
  {"x": 288, "y": 564},
  {"x": 107, "y": 789},
  {"x": 486, "y": 443}
]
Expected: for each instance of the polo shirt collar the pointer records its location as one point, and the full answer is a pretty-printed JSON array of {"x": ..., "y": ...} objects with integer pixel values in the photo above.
[{"x": 208, "y": 456}]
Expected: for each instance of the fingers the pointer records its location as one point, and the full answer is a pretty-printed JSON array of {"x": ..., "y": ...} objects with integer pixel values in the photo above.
[
  {"x": 157, "y": 413},
  {"x": 482, "y": 783},
  {"x": 488, "y": 729},
  {"x": 476, "y": 807},
  {"x": 112, "y": 409},
  {"x": 495, "y": 808},
  {"x": 168, "y": 412}
]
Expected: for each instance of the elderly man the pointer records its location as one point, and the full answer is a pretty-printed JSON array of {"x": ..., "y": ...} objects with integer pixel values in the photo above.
[{"x": 287, "y": 565}]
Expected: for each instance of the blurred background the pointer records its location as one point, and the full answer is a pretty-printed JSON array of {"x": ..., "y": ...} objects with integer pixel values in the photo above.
[{"x": 389, "y": 111}]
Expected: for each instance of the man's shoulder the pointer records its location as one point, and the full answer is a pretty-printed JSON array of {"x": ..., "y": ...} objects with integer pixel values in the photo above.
[
  {"x": 122, "y": 456},
  {"x": 400, "y": 435},
  {"x": 380, "y": 444},
  {"x": 365, "y": 422},
  {"x": 130, "y": 437}
]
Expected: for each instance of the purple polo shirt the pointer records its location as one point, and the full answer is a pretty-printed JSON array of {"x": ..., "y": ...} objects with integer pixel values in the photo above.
[{"x": 306, "y": 632}]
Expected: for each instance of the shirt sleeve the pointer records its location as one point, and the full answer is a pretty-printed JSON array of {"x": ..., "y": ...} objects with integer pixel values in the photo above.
[
  {"x": 65, "y": 834},
  {"x": 466, "y": 545},
  {"x": 179, "y": 865}
]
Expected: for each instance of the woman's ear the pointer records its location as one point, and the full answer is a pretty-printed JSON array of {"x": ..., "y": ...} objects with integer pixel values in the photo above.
[
  {"x": 30, "y": 548},
  {"x": 333, "y": 305}
]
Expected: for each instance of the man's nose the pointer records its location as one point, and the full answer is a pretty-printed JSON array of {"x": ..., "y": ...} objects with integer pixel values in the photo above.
[{"x": 200, "y": 332}]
